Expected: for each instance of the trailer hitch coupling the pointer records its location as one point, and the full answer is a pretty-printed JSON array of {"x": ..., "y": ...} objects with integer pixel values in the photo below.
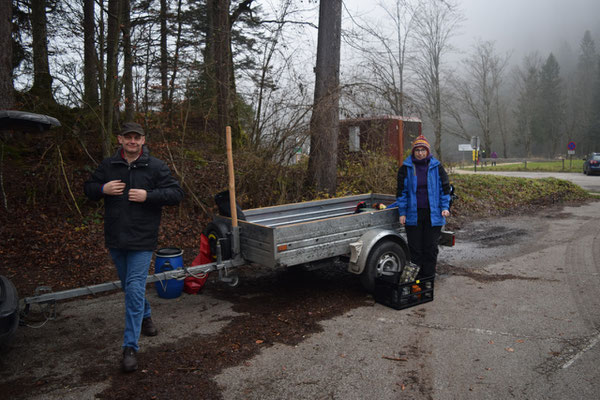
[{"x": 231, "y": 279}]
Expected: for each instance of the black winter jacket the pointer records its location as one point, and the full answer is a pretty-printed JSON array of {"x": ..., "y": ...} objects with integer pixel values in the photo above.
[{"x": 130, "y": 225}]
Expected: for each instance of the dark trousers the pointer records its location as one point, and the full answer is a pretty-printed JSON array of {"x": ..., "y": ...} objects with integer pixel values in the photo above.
[{"x": 423, "y": 243}]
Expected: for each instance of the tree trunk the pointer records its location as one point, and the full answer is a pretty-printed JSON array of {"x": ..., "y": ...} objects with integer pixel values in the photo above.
[
  {"x": 175, "y": 59},
  {"x": 324, "y": 123},
  {"x": 42, "y": 80},
  {"x": 112, "y": 47},
  {"x": 6, "y": 77},
  {"x": 219, "y": 64},
  {"x": 437, "y": 116},
  {"x": 164, "y": 94},
  {"x": 90, "y": 63},
  {"x": 127, "y": 62}
]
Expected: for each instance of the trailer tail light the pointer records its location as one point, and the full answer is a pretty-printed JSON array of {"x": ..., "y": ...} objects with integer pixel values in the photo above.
[{"x": 282, "y": 247}]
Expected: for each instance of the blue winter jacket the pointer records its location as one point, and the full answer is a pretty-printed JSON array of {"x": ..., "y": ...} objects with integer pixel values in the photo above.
[{"x": 438, "y": 189}]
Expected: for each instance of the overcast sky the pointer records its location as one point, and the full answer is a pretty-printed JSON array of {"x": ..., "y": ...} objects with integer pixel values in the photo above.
[
  {"x": 520, "y": 26},
  {"x": 526, "y": 25}
]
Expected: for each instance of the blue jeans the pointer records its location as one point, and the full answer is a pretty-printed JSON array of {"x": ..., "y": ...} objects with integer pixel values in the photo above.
[{"x": 132, "y": 267}]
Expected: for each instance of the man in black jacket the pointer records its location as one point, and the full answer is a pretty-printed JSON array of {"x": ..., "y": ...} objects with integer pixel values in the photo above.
[{"x": 134, "y": 186}]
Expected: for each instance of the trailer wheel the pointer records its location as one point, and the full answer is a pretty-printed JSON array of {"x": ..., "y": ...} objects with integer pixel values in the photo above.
[
  {"x": 386, "y": 258},
  {"x": 216, "y": 231}
]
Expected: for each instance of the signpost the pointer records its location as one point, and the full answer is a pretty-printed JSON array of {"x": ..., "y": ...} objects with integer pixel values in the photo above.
[
  {"x": 571, "y": 150},
  {"x": 475, "y": 148}
]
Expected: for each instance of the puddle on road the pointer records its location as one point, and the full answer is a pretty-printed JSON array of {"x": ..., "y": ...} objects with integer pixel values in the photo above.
[
  {"x": 498, "y": 236},
  {"x": 480, "y": 243}
]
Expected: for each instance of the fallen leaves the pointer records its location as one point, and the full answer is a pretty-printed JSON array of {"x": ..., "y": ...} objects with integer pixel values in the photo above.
[{"x": 394, "y": 358}]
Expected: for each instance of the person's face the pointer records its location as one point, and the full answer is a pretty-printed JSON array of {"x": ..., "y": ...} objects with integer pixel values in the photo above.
[
  {"x": 132, "y": 142},
  {"x": 421, "y": 153}
]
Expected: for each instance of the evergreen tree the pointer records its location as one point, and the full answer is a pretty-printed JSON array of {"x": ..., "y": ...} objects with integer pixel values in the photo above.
[
  {"x": 586, "y": 74},
  {"x": 6, "y": 60},
  {"x": 592, "y": 140},
  {"x": 551, "y": 107},
  {"x": 528, "y": 108}
]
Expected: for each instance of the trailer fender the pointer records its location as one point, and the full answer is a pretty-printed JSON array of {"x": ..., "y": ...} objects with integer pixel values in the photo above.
[{"x": 360, "y": 250}]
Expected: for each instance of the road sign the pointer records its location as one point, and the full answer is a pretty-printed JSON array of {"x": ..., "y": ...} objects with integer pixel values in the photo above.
[
  {"x": 465, "y": 147},
  {"x": 571, "y": 151},
  {"x": 571, "y": 146}
]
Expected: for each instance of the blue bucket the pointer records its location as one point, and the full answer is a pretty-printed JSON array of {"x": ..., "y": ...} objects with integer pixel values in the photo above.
[{"x": 168, "y": 259}]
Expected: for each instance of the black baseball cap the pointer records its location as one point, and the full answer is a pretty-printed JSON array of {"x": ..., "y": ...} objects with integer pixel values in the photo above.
[{"x": 132, "y": 127}]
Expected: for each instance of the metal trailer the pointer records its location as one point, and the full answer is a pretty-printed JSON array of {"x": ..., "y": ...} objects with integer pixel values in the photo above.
[
  {"x": 312, "y": 234},
  {"x": 316, "y": 234}
]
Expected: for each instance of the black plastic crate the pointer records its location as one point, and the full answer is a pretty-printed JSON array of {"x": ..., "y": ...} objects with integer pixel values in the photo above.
[{"x": 403, "y": 295}]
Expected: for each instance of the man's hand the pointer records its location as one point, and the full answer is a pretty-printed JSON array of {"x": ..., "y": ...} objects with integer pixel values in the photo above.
[
  {"x": 114, "y": 188},
  {"x": 445, "y": 213},
  {"x": 138, "y": 195},
  {"x": 403, "y": 219}
]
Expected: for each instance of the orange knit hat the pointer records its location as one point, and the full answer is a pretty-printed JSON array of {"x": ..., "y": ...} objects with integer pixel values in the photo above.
[{"x": 420, "y": 141}]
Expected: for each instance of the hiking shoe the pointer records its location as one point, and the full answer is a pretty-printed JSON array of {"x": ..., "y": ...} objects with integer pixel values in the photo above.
[
  {"x": 148, "y": 328},
  {"x": 129, "y": 361}
]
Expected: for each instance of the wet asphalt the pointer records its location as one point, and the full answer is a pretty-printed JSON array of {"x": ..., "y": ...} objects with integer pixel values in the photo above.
[{"x": 516, "y": 314}]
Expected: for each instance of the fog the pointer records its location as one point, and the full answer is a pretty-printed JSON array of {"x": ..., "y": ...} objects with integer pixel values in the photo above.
[
  {"x": 523, "y": 26},
  {"x": 518, "y": 27}
]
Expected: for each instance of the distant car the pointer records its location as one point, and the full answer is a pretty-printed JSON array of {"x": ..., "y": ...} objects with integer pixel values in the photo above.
[{"x": 591, "y": 164}]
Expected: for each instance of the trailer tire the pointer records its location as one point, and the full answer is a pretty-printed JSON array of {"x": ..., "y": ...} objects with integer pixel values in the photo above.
[
  {"x": 386, "y": 257},
  {"x": 217, "y": 231}
]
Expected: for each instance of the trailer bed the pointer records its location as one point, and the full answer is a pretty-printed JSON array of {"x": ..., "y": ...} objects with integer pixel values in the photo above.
[{"x": 301, "y": 233}]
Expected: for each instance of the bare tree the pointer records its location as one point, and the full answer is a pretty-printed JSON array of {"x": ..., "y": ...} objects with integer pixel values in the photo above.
[
  {"x": 324, "y": 123},
  {"x": 478, "y": 90},
  {"x": 384, "y": 49},
  {"x": 435, "y": 24},
  {"x": 504, "y": 122},
  {"x": 6, "y": 43}
]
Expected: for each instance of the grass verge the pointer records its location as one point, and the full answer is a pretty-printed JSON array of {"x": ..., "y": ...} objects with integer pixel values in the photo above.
[
  {"x": 535, "y": 166},
  {"x": 491, "y": 195}
]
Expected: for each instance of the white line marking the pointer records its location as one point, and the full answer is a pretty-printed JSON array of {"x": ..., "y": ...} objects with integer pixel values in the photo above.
[{"x": 593, "y": 341}]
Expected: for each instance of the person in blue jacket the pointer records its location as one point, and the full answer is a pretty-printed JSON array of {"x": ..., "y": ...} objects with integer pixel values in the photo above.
[{"x": 423, "y": 199}]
